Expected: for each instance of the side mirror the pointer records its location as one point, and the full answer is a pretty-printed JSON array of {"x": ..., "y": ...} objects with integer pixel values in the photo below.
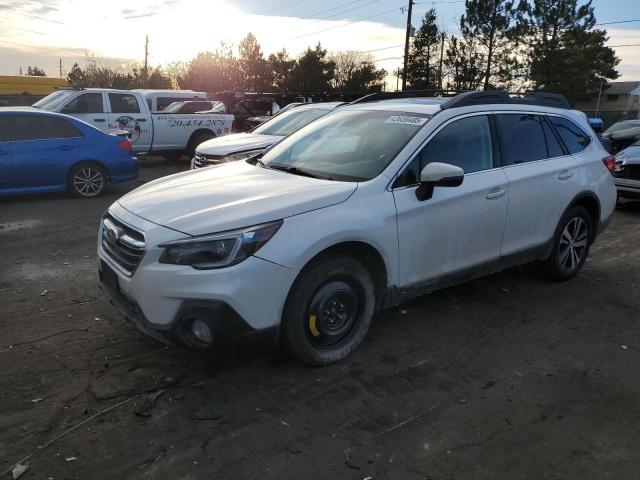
[{"x": 438, "y": 175}]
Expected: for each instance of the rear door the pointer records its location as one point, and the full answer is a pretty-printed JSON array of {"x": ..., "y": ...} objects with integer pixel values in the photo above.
[
  {"x": 126, "y": 113},
  {"x": 88, "y": 107},
  {"x": 459, "y": 227},
  {"x": 543, "y": 179},
  {"x": 43, "y": 149}
]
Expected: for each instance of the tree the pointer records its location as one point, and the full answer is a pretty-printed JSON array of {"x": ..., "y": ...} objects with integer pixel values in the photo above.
[
  {"x": 313, "y": 72},
  {"x": 568, "y": 55},
  {"x": 280, "y": 68},
  {"x": 36, "y": 72},
  {"x": 422, "y": 65},
  {"x": 252, "y": 65},
  {"x": 356, "y": 72},
  {"x": 77, "y": 77},
  {"x": 213, "y": 71},
  {"x": 464, "y": 64},
  {"x": 496, "y": 26}
]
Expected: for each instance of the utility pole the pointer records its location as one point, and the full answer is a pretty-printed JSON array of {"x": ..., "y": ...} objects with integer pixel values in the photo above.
[
  {"x": 406, "y": 47},
  {"x": 146, "y": 52},
  {"x": 60, "y": 68},
  {"x": 443, "y": 35},
  {"x": 397, "y": 78}
]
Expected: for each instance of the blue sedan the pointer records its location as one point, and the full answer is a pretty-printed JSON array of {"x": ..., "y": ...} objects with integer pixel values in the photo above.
[{"x": 49, "y": 152}]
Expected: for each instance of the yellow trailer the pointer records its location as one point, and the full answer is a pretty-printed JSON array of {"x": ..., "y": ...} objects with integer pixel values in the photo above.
[{"x": 16, "y": 85}]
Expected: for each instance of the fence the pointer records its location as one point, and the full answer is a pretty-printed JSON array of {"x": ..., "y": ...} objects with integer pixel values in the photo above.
[{"x": 609, "y": 118}]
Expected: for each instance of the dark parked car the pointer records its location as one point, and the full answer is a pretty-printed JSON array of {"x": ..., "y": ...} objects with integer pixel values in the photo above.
[{"x": 41, "y": 151}]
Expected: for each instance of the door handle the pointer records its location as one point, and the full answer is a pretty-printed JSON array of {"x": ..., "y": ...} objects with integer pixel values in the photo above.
[
  {"x": 99, "y": 120},
  {"x": 496, "y": 193},
  {"x": 65, "y": 147},
  {"x": 141, "y": 119},
  {"x": 565, "y": 174}
]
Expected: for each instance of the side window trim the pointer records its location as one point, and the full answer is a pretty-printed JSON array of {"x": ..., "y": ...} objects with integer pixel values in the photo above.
[
  {"x": 562, "y": 143},
  {"x": 393, "y": 184},
  {"x": 554, "y": 132}
]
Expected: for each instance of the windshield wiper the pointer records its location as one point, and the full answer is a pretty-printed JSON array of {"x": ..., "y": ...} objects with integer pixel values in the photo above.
[{"x": 294, "y": 170}]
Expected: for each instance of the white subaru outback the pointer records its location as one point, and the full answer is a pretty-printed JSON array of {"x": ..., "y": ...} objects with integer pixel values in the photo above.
[{"x": 375, "y": 203}]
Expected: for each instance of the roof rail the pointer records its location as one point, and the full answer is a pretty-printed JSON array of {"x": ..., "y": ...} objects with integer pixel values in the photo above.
[
  {"x": 466, "y": 99},
  {"x": 432, "y": 93},
  {"x": 547, "y": 99}
]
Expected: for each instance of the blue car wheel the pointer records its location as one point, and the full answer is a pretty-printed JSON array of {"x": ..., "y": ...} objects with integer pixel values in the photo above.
[{"x": 87, "y": 180}]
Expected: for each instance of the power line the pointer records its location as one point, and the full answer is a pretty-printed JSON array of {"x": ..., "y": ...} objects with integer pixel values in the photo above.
[
  {"x": 378, "y": 49},
  {"x": 350, "y": 23},
  {"x": 330, "y": 9},
  {"x": 388, "y": 58},
  {"x": 618, "y": 22},
  {"x": 283, "y": 7},
  {"x": 346, "y": 11}
]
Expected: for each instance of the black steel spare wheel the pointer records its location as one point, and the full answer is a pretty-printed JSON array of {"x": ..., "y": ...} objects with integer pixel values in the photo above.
[
  {"x": 329, "y": 309},
  {"x": 332, "y": 313}
]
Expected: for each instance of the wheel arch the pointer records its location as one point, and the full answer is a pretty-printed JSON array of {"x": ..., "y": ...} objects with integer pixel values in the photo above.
[
  {"x": 589, "y": 200},
  {"x": 88, "y": 161},
  {"x": 367, "y": 254},
  {"x": 200, "y": 131}
]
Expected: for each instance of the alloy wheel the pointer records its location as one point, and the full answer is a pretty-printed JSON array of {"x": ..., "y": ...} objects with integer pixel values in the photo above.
[
  {"x": 88, "y": 182},
  {"x": 573, "y": 244}
]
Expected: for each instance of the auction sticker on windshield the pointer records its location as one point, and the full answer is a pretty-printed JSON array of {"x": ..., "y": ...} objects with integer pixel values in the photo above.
[{"x": 406, "y": 120}]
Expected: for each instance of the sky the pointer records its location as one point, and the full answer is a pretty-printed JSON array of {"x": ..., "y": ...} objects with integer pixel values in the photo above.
[{"x": 43, "y": 32}]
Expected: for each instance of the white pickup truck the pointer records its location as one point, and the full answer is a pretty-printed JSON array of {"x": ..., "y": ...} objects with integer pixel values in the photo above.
[{"x": 117, "y": 110}]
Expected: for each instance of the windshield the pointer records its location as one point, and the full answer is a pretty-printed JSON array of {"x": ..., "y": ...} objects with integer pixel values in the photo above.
[
  {"x": 54, "y": 100},
  {"x": 348, "y": 145},
  {"x": 289, "y": 122}
]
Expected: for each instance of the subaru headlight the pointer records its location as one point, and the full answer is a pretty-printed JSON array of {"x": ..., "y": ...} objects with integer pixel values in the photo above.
[
  {"x": 219, "y": 250},
  {"x": 242, "y": 155}
]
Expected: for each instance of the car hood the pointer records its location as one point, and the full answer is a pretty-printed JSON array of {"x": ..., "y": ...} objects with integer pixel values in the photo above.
[
  {"x": 236, "y": 142},
  {"x": 630, "y": 155},
  {"x": 231, "y": 195}
]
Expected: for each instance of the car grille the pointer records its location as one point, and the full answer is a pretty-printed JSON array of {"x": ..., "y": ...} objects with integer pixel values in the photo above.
[
  {"x": 632, "y": 172},
  {"x": 200, "y": 160},
  {"x": 122, "y": 244}
]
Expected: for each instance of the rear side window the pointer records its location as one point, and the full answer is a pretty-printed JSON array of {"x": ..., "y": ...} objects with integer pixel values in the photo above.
[
  {"x": 521, "y": 138},
  {"x": 123, "y": 103},
  {"x": 572, "y": 135},
  {"x": 85, "y": 103},
  {"x": 39, "y": 127}
]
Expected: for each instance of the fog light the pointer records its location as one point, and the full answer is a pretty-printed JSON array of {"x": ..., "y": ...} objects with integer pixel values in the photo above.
[{"x": 201, "y": 331}]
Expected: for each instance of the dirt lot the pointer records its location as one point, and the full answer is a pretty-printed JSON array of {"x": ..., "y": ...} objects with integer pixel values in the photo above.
[{"x": 506, "y": 377}]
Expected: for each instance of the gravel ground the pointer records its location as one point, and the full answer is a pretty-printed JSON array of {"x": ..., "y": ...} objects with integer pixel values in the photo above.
[{"x": 503, "y": 377}]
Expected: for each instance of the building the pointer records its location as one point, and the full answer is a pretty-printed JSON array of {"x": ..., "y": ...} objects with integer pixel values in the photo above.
[{"x": 618, "y": 101}]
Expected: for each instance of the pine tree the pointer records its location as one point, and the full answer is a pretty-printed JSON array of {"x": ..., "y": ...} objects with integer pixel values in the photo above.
[
  {"x": 496, "y": 26},
  {"x": 313, "y": 72},
  {"x": 422, "y": 65},
  {"x": 252, "y": 65},
  {"x": 281, "y": 68},
  {"x": 568, "y": 54}
]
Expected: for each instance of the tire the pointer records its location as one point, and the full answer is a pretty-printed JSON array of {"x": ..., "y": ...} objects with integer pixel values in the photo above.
[
  {"x": 329, "y": 310},
  {"x": 87, "y": 180},
  {"x": 197, "y": 140},
  {"x": 571, "y": 244}
]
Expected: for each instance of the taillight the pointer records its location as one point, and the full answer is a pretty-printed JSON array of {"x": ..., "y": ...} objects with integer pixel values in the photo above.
[
  {"x": 126, "y": 145},
  {"x": 610, "y": 162}
]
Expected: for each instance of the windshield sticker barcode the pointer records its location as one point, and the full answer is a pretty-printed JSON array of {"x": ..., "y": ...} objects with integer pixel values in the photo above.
[{"x": 406, "y": 120}]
